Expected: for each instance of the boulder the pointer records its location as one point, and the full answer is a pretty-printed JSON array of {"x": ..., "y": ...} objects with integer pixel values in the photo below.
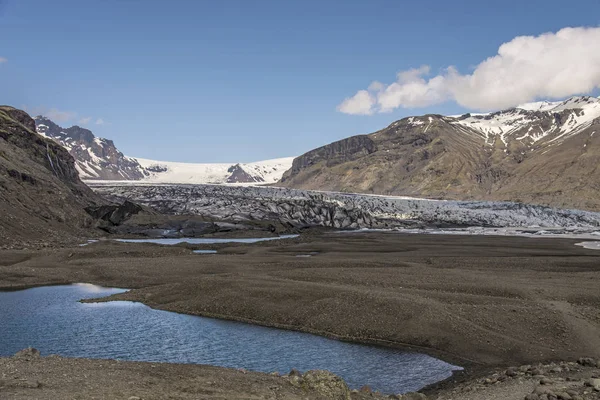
[
  {"x": 564, "y": 396},
  {"x": 115, "y": 214},
  {"x": 587, "y": 362},
  {"x": 593, "y": 383},
  {"x": 28, "y": 354},
  {"x": 327, "y": 384},
  {"x": 414, "y": 396}
]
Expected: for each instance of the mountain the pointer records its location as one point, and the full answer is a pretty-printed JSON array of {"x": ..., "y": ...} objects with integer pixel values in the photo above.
[
  {"x": 42, "y": 199},
  {"x": 98, "y": 159},
  {"x": 544, "y": 153}
]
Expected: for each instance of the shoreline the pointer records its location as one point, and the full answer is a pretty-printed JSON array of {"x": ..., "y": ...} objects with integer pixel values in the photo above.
[
  {"x": 462, "y": 374},
  {"x": 449, "y": 358},
  {"x": 468, "y": 371},
  {"x": 456, "y": 360}
]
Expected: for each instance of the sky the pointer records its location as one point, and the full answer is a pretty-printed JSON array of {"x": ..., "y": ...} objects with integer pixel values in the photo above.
[{"x": 241, "y": 80}]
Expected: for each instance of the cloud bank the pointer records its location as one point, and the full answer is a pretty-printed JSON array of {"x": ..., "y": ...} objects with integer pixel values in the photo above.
[
  {"x": 3, "y": 60},
  {"x": 549, "y": 66}
]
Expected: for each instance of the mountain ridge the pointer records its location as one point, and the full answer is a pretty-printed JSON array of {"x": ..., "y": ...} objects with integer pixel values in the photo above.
[
  {"x": 543, "y": 157},
  {"x": 99, "y": 159},
  {"x": 542, "y": 152}
]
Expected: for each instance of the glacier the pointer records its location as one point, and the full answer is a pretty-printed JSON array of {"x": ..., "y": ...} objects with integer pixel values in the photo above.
[{"x": 305, "y": 208}]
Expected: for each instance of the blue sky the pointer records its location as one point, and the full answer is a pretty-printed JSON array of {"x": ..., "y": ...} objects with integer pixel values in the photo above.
[{"x": 240, "y": 80}]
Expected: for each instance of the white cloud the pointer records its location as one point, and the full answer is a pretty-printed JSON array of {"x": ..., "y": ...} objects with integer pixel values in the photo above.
[
  {"x": 85, "y": 120},
  {"x": 100, "y": 121},
  {"x": 361, "y": 103},
  {"x": 3, "y": 60},
  {"x": 412, "y": 90},
  {"x": 551, "y": 65},
  {"x": 375, "y": 86}
]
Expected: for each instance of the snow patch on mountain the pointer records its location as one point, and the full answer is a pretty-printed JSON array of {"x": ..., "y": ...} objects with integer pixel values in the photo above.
[
  {"x": 535, "y": 121},
  {"x": 539, "y": 106}
]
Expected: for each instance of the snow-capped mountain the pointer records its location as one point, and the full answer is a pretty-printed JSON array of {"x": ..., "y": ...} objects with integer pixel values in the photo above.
[
  {"x": 98, "y": 159},
  {"x": 95, "y": 158},
  {"x": 544, "y": 122},
  {"x": 544, "y": 152}
]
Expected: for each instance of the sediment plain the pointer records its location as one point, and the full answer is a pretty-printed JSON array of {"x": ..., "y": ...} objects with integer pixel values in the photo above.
[{"x": 481, "y": 302}]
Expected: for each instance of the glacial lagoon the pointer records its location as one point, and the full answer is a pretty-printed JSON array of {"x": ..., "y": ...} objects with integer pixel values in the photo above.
[{"x": 53, "y": 320}]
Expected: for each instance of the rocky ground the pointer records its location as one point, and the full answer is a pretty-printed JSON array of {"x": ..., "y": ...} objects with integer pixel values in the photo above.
[
  {"x": 576, "y": 380},
  {"x": 27, "y": 375},
  {"x": 479, "y": 302}
]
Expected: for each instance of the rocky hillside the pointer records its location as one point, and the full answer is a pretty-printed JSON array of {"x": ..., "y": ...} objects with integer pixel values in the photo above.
[
  {"x": 99, "y": 159},
  {"x": 42, "y": 199},
  {"x": 542, "y": 153},
  {"x": 96, "y": 158}
]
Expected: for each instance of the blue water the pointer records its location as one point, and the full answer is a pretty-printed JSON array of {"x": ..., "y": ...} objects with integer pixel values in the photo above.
[
  {"x": 52, "y": 320},
  {"x": 206, "y": 240},
  {"x": 205, "y": 251}
]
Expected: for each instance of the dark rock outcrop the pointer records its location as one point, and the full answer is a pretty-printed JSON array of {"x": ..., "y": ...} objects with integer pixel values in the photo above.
[
  {"x": 332, "y": 154},
  {"x": 238, "y": 175},
  {"x": 115, "y": 214},
  {"x": 18, "y": 129}
]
